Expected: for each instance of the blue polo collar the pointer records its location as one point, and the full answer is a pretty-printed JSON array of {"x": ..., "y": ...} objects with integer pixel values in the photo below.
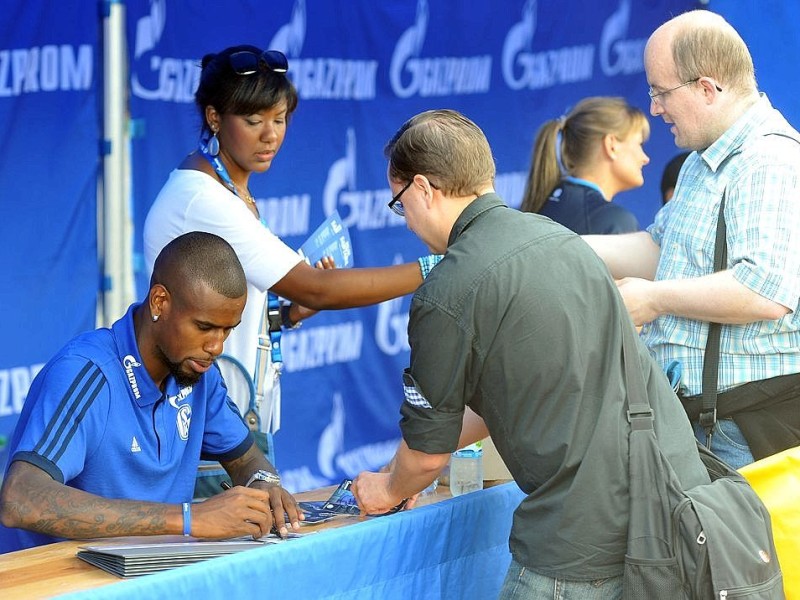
[{"x": 141, "y": 387}]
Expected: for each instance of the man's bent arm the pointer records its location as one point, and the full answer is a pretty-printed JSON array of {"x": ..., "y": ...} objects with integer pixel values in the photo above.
[
  {"x": 410, "y": 472},
  {"x": 33, "y": 500},
  {"x": 717, "y": 298},
  {"x": 473, "y": 428},
  {"x": 413, "y": 470},
  {"x": 240, "y": 469},
  {"x": 627, "y": 254}
]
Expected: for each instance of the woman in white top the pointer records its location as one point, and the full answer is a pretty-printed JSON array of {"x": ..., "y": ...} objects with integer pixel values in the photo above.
[{"x": 245, "y": 100}]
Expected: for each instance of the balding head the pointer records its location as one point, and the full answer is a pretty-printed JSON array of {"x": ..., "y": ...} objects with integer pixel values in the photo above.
[
  {"x": 704, "y": 44},
  {"x": 200, "y": 257}
]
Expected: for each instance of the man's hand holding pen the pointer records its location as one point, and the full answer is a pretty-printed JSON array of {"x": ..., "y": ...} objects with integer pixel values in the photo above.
[{"x": 277, "y": 508}]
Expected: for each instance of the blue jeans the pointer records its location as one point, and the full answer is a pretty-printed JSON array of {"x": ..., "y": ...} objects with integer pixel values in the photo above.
[
  {"x": 727, "y": 442},
  {"x": 524, "y": 584}
]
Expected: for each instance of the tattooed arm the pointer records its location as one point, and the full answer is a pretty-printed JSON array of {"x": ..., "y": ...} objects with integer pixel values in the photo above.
[{"x": 31, "y": 499}]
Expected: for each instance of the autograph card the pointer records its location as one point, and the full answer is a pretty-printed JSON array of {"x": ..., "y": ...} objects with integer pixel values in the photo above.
[
  {"x": 330, "y": 239},
  {"x": 342, "y": 500},
  {"x": 315, "y": 513}
]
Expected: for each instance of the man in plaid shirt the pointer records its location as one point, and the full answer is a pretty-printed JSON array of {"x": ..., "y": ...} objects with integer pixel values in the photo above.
[{"x": 702, "y": 84}]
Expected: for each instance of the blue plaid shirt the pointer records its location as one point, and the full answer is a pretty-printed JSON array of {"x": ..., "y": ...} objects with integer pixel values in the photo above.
[{"x": 757, "y": 164}]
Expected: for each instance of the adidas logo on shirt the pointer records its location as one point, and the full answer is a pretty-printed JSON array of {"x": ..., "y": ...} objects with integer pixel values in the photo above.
[{"x": 135, "y": 447}]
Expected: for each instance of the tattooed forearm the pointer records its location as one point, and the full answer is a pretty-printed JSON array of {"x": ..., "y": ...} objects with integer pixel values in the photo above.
[
  {"x": 80, "y": 516},
  {"x": 36, "y": 502}
]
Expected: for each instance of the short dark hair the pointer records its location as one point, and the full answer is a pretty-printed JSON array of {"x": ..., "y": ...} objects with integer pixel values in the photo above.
[
  {"x": 230, "y": 93},
  {"x": 203, "y": 257},
  {"x": 670, "y": 175},
  {"x": 445, "y": 146}
]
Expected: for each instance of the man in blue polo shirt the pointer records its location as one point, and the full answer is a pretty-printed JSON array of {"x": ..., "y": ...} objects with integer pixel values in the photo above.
[{"x": 114, "y": 426}]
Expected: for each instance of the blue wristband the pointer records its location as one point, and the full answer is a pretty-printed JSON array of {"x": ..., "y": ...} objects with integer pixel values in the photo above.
[
  {"x": 426, "y": 263},
  {"x": 187, "y": 519}
]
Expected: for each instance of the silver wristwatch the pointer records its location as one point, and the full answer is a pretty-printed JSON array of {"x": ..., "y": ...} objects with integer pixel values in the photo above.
[{"x": 265, "y": 476}]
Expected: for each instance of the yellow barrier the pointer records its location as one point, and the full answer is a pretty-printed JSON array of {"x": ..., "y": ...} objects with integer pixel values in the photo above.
[{"x": 776, "y": 479}]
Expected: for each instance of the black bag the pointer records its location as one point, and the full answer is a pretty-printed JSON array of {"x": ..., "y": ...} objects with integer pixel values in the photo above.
[
  {"x": 711, "y": 541},
  {"x": 766, "y": 411}
]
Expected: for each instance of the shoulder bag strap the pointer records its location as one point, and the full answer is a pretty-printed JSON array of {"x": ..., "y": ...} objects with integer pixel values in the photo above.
[
  {"x": 640, "y": 414},
  {"x": 708, "y": 412}
]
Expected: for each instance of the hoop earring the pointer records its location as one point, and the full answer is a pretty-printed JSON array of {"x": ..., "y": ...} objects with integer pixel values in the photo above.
[{"x": 213, "y": 144}]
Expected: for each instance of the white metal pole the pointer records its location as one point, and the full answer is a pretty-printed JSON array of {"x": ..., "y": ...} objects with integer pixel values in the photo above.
[{"x": 115, "y": 236}]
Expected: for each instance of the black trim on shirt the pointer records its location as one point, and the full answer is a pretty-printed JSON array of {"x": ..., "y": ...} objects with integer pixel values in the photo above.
[{"x": 93, "y": 381}]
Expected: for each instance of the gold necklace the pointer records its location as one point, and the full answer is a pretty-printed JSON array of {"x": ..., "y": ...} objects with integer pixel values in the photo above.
[
  {"x": 249, "y": 198},
  {"x": 225, "y": 179},
  {"x": 245, "y": 195}
]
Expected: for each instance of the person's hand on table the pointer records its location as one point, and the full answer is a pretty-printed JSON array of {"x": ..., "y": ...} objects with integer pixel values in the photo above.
[
  {"x": 275, "y": 501},
  {"x": 236, "y": 512},
  {"x": 282, "y": 505},
  {"x": 410, "y": 502},
  {"x": 372, "y": 494}
]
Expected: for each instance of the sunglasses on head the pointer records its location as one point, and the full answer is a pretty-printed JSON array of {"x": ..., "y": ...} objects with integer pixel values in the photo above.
[{"x": 247, "y": 62}]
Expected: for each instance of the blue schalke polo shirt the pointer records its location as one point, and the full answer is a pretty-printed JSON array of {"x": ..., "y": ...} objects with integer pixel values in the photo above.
[{"x": 95, "y": 420}]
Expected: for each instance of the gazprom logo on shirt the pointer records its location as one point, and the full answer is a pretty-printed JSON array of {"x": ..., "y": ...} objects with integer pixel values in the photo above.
[
  {"x": 524, "y": 69},
  {"x": 326, "y": 78},
  {"x": 130, "y": 363},
  {"x": 443, "y": 76},
  {"x": 154, "y": 77},
  {"x": 184, "y": 417}
]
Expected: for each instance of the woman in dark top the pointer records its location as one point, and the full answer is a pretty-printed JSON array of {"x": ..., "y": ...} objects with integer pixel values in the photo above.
[{"x": 582, "y": 160}]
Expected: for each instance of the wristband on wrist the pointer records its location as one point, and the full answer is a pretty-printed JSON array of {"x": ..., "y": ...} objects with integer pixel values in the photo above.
[
  {"x": 426, "y": 263},
  {"x": 187, "y": 519}
]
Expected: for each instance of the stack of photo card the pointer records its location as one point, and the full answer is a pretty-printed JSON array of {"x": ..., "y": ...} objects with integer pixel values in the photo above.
[{"x": 133, "y": 560}]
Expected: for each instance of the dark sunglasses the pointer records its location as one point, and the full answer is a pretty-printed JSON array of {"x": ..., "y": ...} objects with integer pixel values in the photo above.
[{"x": 247, "y": 62}]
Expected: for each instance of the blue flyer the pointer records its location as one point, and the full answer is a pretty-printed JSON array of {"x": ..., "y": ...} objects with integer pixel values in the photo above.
[{"x": 330, "y": 239}]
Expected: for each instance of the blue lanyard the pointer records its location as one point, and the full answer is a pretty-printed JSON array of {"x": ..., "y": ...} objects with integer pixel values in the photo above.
[
  {"x": 218, "y": 167},
  {"x": 274, "y": 321},
  {"x": 273, "y": 304}
]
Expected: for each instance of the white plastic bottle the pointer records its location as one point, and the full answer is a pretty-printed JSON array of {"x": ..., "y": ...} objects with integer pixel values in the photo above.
[{"x": 466, "y": 469}]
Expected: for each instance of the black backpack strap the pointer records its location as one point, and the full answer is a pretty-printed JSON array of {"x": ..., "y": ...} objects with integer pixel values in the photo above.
[{"x": 708, "y": 412}]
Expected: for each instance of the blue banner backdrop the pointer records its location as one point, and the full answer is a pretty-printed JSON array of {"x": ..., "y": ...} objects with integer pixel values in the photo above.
[
  {"x": 362, "y": 68},
  {"x": 49, "y": 111},
  {"x": 770, "y": 31}
]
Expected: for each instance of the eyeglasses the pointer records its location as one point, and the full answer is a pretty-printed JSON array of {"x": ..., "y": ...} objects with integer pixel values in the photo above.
[
  {"x": 247, "y": 62},
  {"x": 659, "y": 96},
  {"x": 395, "y": 205}
]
